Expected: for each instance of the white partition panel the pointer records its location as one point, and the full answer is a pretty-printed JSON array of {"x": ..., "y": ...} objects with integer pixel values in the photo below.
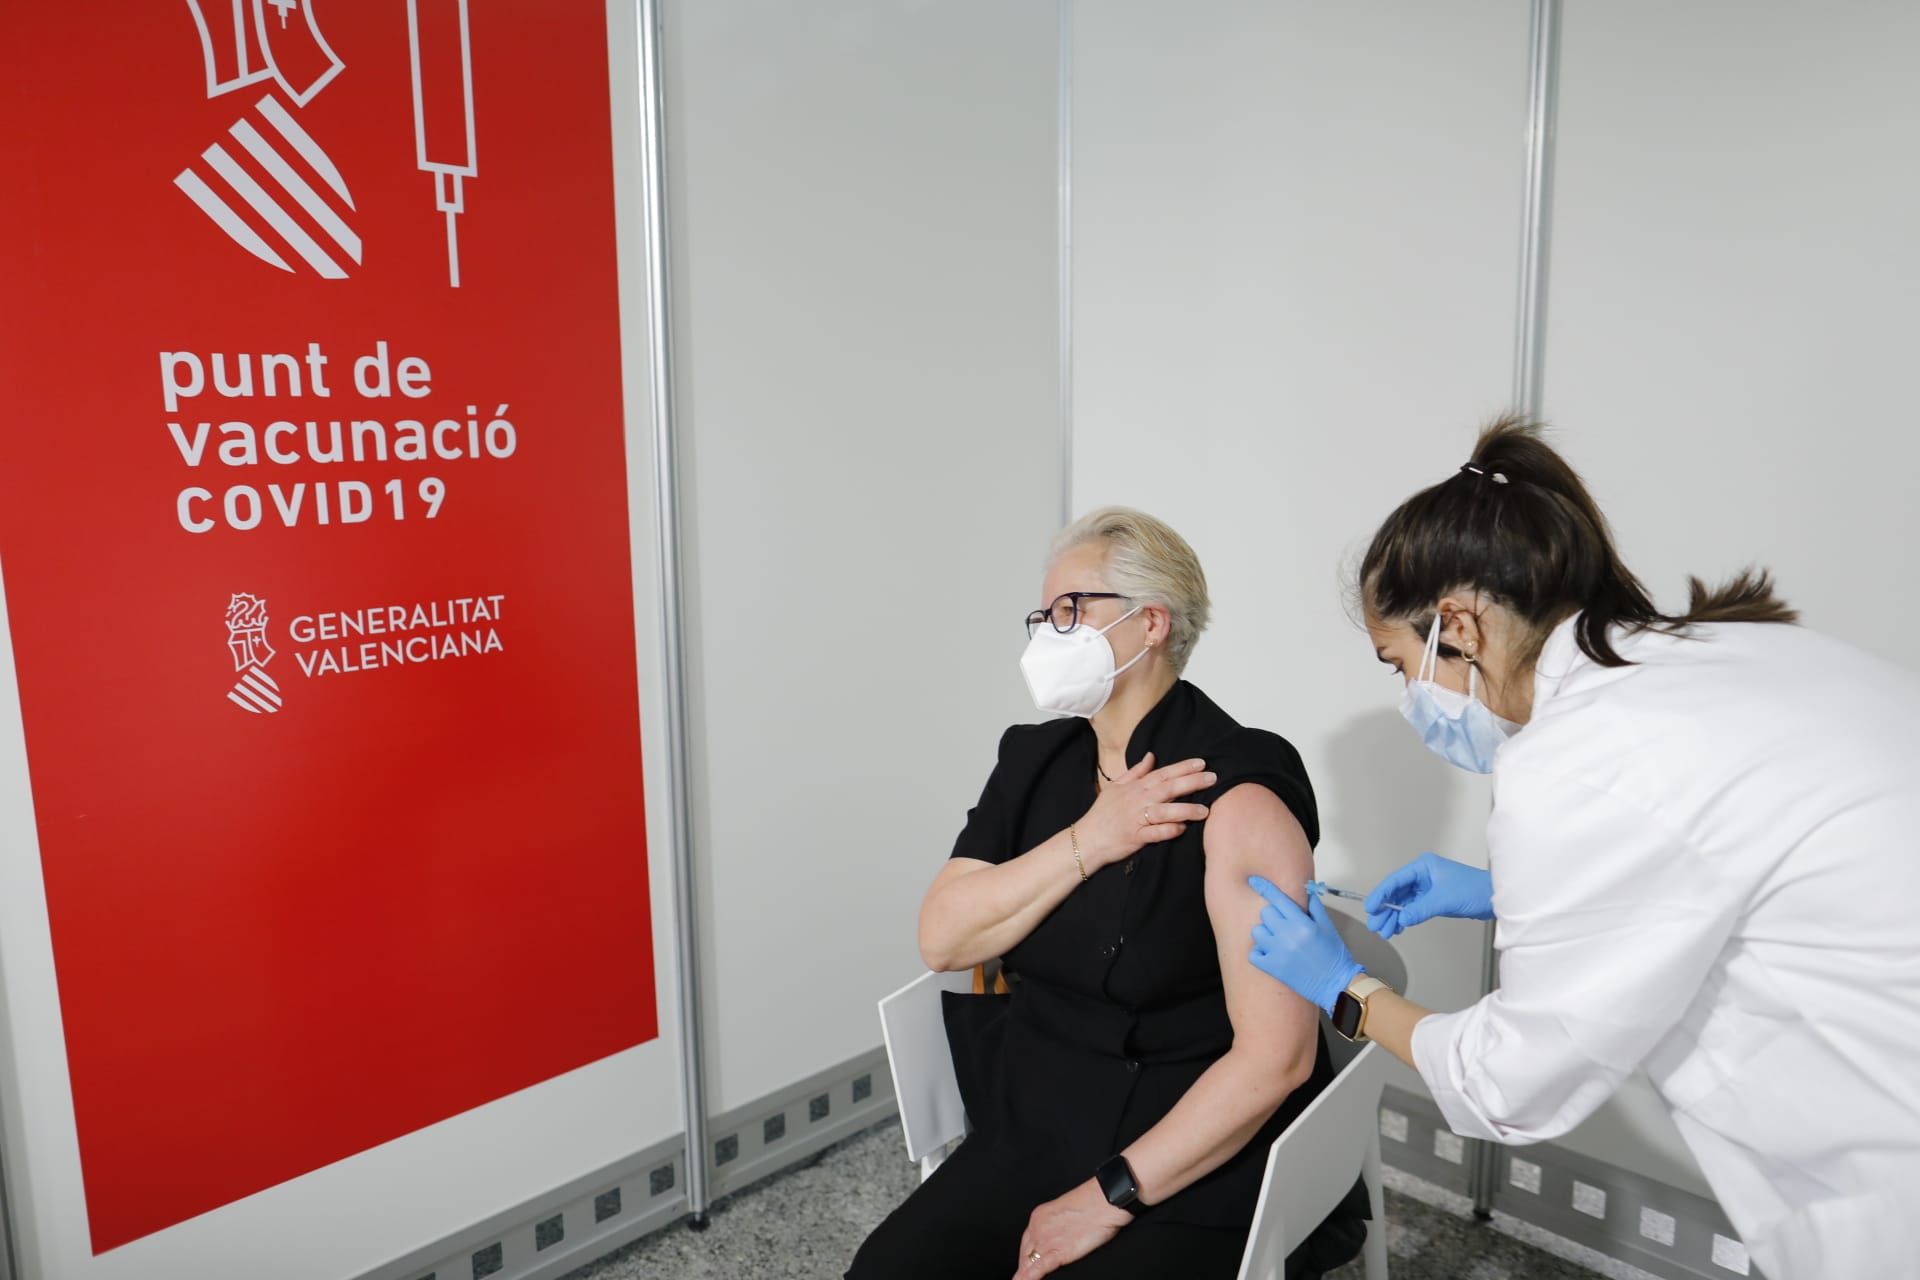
[
  {"x": 864, "y": 275},
  {"x": 413, "y": 1193},
  {"x": 1731, "y": 331},
  {"x": 1295, "y": 246}
]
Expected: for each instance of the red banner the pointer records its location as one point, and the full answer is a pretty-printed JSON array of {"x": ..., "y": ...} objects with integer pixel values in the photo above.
[{"x": 313, "y": 519}]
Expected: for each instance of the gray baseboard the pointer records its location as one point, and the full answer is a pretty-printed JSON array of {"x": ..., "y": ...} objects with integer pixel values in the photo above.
[
  {"x": 1660, "y": 1229},
  {"x": 590, "y": 1217},
  {"x": 1415, "y": 1140},
  {"x": 554, "y": 1233},
  {"x": 784, "y": 1128}
]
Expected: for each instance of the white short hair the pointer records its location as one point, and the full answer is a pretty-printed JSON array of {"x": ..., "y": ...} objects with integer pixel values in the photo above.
[{"x": 1149, "y": 564}]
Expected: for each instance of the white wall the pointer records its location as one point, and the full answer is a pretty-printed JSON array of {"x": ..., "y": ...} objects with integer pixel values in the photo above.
[
  {"x": 864, "y": 236},
  {"x": 1732, "y": 331},
  {"x": 1295, "y": 252},
  {"x": 1731, "y": 327}
]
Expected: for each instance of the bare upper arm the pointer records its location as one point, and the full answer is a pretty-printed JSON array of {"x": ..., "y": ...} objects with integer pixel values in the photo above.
[{"x": 1249, "y": 832}]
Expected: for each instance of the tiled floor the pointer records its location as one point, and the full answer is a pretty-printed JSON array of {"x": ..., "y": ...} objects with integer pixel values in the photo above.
[{"x": 806, "y": 1223}]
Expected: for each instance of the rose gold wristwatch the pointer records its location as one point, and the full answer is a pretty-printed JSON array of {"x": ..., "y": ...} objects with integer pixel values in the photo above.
[{"x": 1350, "y": 1008}]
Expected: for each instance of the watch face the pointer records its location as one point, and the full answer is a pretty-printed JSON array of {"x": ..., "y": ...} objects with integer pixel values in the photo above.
[
  {"x": 1117, "y": 1183},
  {"x": 1346, "y": 1015}
]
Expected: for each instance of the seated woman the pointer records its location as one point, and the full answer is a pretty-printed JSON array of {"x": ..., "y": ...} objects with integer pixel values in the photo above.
[{"x": 1124, "y": 1095}]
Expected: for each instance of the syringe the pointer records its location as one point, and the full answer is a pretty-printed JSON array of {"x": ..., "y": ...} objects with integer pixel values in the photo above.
[
  {"x": 1321, "y": 886},
  {"x": 443, "y": 108}
]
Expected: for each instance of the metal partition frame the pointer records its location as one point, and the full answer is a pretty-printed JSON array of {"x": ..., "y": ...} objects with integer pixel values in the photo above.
[
  {"x": 666, "y": 474},
  {"x": 9, "y": 1257},
  {"x": 9, "y": 1245},
  {"x": 1529, "y": 363},
  {"x": 1063, "y": 150},
  {"x": 1543, "y": 92}
]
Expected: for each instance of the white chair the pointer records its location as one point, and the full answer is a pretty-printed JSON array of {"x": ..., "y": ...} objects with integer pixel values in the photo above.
[
  {"x": 1309, "y": 1167},
  {"x": 931, "y": 1113}
]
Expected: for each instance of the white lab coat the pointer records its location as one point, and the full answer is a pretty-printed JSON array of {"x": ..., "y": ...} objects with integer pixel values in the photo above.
[{"x": 1708, "y": 865}]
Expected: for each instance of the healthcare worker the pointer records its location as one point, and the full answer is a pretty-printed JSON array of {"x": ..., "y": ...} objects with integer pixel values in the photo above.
[{"x": 1704, "y": 861}]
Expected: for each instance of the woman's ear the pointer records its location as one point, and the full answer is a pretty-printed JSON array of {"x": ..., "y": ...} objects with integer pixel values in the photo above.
[
  {"x": 1159, "y": 625},
  {"x": 1461, "y": 627}
]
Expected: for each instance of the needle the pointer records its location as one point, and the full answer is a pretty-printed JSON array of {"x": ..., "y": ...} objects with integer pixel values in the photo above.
[{"x": 1321, "y": 886}]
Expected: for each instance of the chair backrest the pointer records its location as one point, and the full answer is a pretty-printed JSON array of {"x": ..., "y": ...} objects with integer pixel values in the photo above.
[
  {"x": 1369, "y": 948},
  {"x": 1312, "y": 1166},
  {"x": 931, "y": 1113}
]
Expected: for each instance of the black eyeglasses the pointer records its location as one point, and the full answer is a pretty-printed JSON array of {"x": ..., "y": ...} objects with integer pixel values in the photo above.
[{"x": 1064, "y": 612}]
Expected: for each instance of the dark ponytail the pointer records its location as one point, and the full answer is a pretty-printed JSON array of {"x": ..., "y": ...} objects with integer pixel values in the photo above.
[{"x": 1518, "y": 524}]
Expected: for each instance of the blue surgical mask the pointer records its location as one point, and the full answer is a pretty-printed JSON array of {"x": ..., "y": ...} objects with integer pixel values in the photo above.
[{"x": 1457, "y": 727}]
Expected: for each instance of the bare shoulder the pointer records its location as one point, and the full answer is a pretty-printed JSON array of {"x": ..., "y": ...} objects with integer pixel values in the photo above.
[{"x": 1250, "y": 826}]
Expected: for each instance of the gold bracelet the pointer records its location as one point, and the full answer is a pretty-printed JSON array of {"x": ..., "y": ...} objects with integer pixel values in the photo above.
[{"x": 1073, "y": 838}]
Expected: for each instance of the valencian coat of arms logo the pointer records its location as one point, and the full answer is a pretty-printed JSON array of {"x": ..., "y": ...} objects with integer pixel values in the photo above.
[{"x": 255, "y": 690}]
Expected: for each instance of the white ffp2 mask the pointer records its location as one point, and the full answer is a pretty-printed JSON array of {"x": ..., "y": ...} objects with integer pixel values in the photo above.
[{"x": 1071, "y": 673}]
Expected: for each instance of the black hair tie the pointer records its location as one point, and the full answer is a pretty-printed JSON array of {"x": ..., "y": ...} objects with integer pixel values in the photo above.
[{"x": 1496, "y": 477}]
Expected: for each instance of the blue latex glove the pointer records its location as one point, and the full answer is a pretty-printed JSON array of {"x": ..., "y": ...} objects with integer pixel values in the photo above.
[
  {"x": 1429, "y": 886},
  {"x": 1301, "y": 948}
]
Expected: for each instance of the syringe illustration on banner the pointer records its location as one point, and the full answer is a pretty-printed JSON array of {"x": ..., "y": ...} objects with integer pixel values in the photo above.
[
  {"x": 242, "y": 48},
  {"x": 271, "y": 187},
  {"x": 443, "y": 108}
]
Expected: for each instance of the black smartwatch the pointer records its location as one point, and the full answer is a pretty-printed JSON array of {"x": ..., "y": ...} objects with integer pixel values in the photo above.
[{"x": 1117, "y": 1183}]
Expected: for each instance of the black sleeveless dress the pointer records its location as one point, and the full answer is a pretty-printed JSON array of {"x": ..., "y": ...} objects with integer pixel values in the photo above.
[{"x": 1117, "y": 1008}]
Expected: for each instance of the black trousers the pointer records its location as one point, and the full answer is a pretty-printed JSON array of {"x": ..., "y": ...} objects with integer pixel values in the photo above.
[{"x": 965, "y": 1223}]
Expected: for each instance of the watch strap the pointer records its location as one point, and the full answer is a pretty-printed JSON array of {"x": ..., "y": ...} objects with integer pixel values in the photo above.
[{"x": 1362, "y": 986}]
